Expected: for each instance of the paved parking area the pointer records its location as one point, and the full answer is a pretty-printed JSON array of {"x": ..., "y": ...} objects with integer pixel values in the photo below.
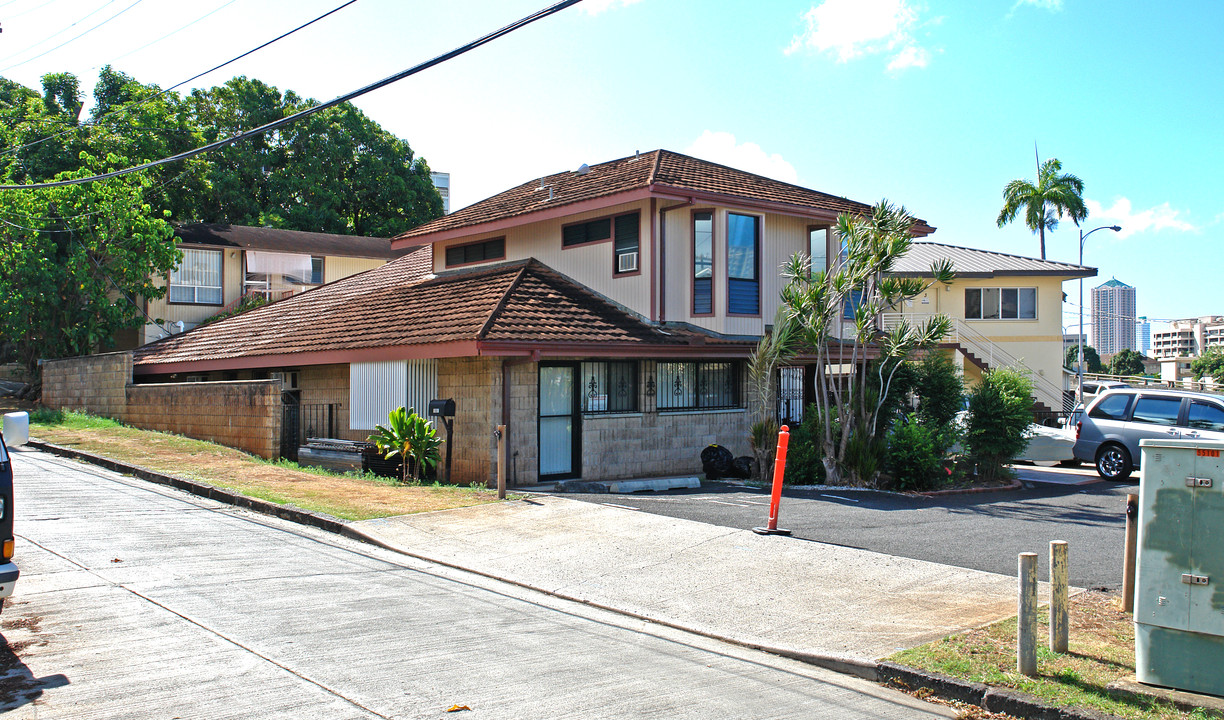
[{"x": 980, "y": 531}]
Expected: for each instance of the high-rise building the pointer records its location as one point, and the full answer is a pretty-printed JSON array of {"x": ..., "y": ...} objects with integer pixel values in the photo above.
[
  {"x": 1143, "y": 336},
  {"x": 1113, "y": 317},
  {"x": 1189, "y": 338},
  {"x": 441, "y": 181}
]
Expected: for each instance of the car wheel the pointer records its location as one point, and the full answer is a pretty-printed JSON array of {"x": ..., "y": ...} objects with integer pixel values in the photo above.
[{"x": 1113, "y": 462}]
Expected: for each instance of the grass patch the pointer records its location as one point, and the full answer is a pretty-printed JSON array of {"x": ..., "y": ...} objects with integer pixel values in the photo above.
[
  {"x": 347, "y": 496},
  {"x": 1102, "y": 650}
]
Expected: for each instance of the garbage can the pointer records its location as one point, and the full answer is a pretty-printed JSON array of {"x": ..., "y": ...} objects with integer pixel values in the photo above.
[{"x": 1179, "y": 597}]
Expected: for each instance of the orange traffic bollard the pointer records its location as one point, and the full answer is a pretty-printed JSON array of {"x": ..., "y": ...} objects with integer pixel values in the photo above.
[{"x": 776, "y": 499}]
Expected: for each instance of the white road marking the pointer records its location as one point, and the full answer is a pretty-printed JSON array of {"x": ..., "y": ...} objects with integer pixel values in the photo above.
[
  {"x": 839, "y": 497},
  {"x": 720, "y": 502},
  {"x": 622, "y": 507}
]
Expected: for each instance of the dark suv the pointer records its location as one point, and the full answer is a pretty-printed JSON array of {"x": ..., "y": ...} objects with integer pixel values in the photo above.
[
  {"x": 16, "y": 429},
  {"x": 1109, "y": 433}
]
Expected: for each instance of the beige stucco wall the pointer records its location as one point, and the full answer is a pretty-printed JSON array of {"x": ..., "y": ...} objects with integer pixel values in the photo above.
[
  {"x": 781, "y": 237},
  {"x": 334, "y": 268},
  {"x": 589, "y": 264},
  {"x": 1038, "y": 343}
]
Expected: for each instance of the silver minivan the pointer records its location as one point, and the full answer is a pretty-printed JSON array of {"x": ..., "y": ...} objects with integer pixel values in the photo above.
[{"x": 1109, "y": 434}]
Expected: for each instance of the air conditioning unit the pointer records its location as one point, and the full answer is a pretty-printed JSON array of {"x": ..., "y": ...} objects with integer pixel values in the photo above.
[{"x": 627, "y": 262}]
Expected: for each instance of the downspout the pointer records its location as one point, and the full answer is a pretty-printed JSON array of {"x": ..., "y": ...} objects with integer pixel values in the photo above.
[{"x": 663, "y": 256}]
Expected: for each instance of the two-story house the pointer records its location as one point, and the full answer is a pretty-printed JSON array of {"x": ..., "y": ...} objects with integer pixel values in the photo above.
[
  {"x": 603, "y": 315},
  {"x": 1006, "y": 310},
  {"x": 222, "y": 264}
]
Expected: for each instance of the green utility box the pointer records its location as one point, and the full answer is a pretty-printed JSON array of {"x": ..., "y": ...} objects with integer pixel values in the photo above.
[{"x": 1179, "y": 597}]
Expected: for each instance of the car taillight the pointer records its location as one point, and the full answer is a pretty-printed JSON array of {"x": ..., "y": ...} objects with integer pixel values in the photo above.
[
  {"x": 8, "y": 549},
  {"x": 1078, "y": 426}
]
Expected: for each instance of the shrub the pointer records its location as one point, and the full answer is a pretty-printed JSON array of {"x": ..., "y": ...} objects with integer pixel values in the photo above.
[
  {"x": 411, "y": 437},
  {"x": 940, "y": 390},
  {"x": 915, "y": 455},
  {"x": 804, "y": 458},
  {"x": 1000, "y": 410}
]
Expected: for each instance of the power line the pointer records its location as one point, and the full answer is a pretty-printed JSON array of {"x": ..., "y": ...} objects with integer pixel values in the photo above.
[
  {"x": 132, "y": 106},
  {"x": 169, "y": 34},
  {"x": 72, "y": 39},
  {"x": 60, "y": 31},
  {"x": 552, "y": 9}
]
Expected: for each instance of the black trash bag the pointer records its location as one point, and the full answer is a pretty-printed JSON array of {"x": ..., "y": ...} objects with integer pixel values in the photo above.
[
  {"x": 716, "y": 462},
  {"x": 742, "y": 467}
]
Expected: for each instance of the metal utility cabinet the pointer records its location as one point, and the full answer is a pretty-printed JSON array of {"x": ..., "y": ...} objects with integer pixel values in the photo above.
[{"x": 1179, "y": 602}]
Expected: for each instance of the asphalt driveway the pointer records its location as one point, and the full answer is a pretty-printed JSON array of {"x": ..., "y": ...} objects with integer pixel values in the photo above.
[{"x": 983, "y": 531}]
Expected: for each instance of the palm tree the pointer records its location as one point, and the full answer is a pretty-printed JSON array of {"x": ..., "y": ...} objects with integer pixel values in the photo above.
[{"x": 1055, "y": 195}]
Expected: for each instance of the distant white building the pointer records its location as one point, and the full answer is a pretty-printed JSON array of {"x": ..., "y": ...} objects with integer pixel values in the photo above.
[
  {"x": 1113, "y": 317},
  {"x": 1189, "y": 338},
  {"x": 441, "y": 181}
]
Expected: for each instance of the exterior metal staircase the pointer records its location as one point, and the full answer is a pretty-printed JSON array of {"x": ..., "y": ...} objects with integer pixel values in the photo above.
[{"x": 986, "y": 354}]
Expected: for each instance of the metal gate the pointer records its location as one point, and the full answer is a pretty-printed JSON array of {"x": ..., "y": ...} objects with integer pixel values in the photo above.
[
  {"x": 790, "y": 395},
  {"x": 301, "y": 422}
]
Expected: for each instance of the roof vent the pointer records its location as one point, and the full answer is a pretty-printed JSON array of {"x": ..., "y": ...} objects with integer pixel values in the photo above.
[{"x": 583, "y": 169}]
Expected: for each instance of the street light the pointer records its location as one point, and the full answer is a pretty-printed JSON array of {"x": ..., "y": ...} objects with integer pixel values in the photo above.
[{"x": 1079, "y": 391}]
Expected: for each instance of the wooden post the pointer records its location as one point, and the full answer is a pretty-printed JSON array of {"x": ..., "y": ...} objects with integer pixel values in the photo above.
[
  {"x": 501, "y": 462},
  {"x": 1060, "y": 614},
  {"x": 1128, "y": 568},
  {"x": 1026, "y": 616}
]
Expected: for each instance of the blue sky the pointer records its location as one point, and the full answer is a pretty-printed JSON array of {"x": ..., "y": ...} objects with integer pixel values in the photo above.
[{"x": 935, "y": 105}]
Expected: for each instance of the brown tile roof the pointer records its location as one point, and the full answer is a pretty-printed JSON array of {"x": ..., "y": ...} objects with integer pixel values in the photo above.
[
  {"x": 971, "y": 262},
  {"x": 289, "y": 241},
  {"x": 662, "y": 170},
  {"x": 397, "y": 305}
]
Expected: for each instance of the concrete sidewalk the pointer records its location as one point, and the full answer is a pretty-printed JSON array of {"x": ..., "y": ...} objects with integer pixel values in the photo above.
[{"x": 814, "y": 601}]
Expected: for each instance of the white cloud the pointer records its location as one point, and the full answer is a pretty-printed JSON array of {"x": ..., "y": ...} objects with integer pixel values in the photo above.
[
  {"x": 847, "y": 29},
  {"x": 594, "y": 7},
  {"x": 1051, "y": 5},
  {"x": 911, "y": 56},
  {"x": 720, "y": 147},
  {"x": 1161, "y": 217}
]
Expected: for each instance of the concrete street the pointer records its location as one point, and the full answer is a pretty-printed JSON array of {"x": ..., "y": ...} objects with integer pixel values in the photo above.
[
  {"x": 137, "y": 601},
  {"x": 980, "y": 531}
]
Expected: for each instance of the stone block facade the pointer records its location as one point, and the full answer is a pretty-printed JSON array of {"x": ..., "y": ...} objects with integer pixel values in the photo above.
[
  {"x": 476, "y": 386},
  {"x": 653, "y": 444},
  {"x": 96, "y": 384},
  {"x": 242, "y": 414}
]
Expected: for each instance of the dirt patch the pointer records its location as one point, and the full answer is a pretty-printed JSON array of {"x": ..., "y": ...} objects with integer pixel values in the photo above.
[{"x": 344, "y": 496}]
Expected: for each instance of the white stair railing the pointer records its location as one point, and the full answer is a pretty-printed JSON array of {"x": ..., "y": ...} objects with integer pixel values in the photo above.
[{"x": 986, "y": 350}]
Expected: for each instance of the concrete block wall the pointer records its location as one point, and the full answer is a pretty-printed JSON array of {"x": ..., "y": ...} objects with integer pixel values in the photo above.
[
  {"x": 242, "y": 414},
  {"x": 653, "y": 444},
  {"x": 523, "y": 453},
  {"x": 329, "y": 384},
  {"x": 476, "y": 386},
  {"x": 95, "y": 384}
]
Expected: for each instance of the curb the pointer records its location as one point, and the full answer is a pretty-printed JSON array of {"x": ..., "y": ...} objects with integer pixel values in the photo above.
[
  {"x": 284, "y": 512},
  {"x": 886, "y": 673},
  {"x": 991, "y": 699},
  {"x": 1014, "y": 485}
]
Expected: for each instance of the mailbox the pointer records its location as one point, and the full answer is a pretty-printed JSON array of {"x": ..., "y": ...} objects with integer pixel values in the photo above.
[
  {"x": 1179, "y": 596},
  {"x": 442, "y": 408}
]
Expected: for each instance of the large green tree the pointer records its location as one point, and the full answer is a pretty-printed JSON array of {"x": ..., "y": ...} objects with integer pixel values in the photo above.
[
  {"x": 1126, "y": 362},
  {"x": 335, "y": 171},
  {"x": 75, "y": 258},
  {"x": 1209, "y": 364},
  {"x": 1092, "y": 360},
  {"x": 1055, "y": 194}
]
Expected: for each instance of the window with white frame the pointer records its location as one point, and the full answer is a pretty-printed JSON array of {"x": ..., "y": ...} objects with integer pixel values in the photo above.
[
  {"x": 697, "y": 385},
  {"x": 197, "y": 279},
  {"x": 1000, "y": 303}
]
